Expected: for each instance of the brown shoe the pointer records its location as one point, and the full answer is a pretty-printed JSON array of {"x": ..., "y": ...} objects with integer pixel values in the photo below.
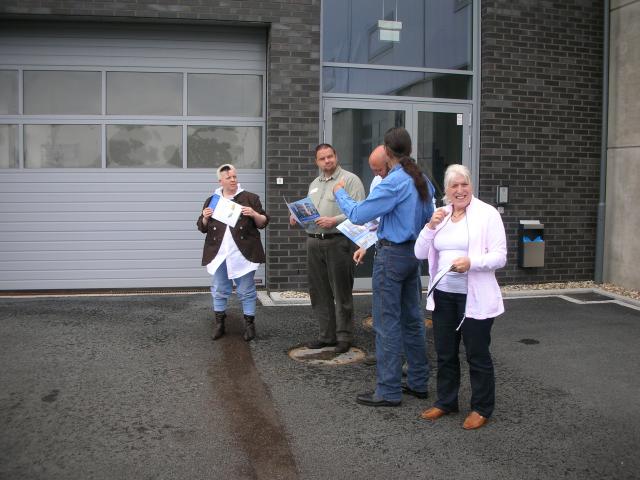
[
  {"x": 474, "y": 420},
  {"x": 433, "y": 413}
]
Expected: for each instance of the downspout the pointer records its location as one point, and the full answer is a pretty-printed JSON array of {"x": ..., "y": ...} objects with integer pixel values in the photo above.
[{"x": 598, "y": 273}]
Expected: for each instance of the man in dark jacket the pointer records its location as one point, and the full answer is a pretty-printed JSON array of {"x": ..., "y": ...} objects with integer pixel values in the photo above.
[{"x": 233, "y": 254}]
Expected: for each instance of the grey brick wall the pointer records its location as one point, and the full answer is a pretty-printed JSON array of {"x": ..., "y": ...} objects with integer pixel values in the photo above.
[
  {"x": 541, "y": 117},
  {"x": 293, "y": 93}
]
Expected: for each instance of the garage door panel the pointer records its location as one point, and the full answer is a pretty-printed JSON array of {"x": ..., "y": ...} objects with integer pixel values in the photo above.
[
  {"x": 120, "y": 45},
  {"x": 96, "y": 236},
  {"x": 28, "y": 249},
  {"x": 14, "y": 268},
  {"x": 184, "y": 208},
  {"x": 98, "y": 281},
  {"x": 94, "y": 283},
  {"x": 229, "y": 65},
  {"x": 88, "y": 274},
  {"x": 130, "y": 197},
  {"x": 100, "y": 225},
  {"x": 151, "y": 215},
  {"x": 103, "y": 197},
  {"x": 112, "y": 187},
  {"x": 6, "y": 257},
  {"x": 204, "y": 177}
]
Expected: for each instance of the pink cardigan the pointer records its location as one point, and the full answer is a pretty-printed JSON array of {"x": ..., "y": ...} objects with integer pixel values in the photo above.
[{"x": 487, "y": 252}]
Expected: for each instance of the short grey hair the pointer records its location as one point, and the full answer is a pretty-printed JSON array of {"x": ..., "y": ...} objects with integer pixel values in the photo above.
[
  {"x": 224, "y": 168},
  {"x": 450, "y": 173}
]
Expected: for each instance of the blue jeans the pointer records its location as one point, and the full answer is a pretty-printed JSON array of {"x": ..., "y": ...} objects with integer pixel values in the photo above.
[
  {"x": 398, "y": 322},
  {"x": 221, "y": 288},
  {"x": 476, "y": 335}
]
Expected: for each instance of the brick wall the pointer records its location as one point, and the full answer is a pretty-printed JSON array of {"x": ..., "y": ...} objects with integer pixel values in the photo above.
[
  {"x": 540, "y": 127},
  {"x": 293, "y": 93}
]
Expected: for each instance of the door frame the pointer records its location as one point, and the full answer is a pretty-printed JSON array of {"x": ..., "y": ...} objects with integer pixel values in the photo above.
[{"x": 412, "y": 110}]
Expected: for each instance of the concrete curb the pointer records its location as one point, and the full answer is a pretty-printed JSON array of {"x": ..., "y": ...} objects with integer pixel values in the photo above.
[{"x": 275, "y": 299}]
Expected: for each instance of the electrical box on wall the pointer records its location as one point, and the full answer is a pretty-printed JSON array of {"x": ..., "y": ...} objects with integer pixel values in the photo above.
[{"x": 502, "y": 195}]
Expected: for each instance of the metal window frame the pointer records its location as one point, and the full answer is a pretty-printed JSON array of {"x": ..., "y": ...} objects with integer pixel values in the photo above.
[{"x": 103, "y": 119}]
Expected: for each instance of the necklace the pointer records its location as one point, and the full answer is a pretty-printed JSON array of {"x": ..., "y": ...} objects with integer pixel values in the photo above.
[{"x": 458, "y": 215}]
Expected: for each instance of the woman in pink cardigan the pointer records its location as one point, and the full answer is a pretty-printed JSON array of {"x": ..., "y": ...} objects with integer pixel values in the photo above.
[{"x": 465, "y": 244}]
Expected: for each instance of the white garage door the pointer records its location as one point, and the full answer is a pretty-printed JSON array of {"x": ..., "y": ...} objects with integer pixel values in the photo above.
[{"x": 109, "y": 140}]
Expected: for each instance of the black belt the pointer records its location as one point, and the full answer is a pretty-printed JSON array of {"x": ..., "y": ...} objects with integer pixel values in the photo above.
[
  {"x": 324, "y": 236},
  {"x": 388, "y": 243}
]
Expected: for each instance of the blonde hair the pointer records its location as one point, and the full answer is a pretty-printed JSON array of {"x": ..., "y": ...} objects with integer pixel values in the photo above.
[
  {"x": 450, "y": 173},
  {"x": 224, "y": 168}
]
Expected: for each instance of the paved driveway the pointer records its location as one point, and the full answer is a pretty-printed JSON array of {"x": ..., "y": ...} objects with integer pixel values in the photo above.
[{"x": 132, "y": 387}]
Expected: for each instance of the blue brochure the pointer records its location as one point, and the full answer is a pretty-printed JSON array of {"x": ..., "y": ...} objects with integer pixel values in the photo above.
[
  {"x": 214, "y": 201},
  {"x": 304, "y": 211}
]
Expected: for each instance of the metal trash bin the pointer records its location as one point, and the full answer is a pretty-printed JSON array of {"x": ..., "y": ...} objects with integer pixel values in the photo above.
[{"x": 531, "y": 244}]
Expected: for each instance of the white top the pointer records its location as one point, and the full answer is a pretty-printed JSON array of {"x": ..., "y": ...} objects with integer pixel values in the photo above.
[
  {"x": 237, "y": 264},
  {"x": 452, "y": 242},
  {"x": 374, "y": 183}
]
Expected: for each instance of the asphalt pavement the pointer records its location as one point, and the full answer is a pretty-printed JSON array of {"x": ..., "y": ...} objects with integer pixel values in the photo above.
[{"x": 109, "y": 387}]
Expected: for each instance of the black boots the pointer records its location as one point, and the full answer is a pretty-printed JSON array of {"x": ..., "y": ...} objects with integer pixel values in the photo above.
[
  {"x": 218, "y": 325},
  {"x": 250, "y": 328}
]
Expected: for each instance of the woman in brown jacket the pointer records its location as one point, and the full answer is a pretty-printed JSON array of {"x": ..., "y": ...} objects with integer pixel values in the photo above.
[{"x": 233, "y": 254}]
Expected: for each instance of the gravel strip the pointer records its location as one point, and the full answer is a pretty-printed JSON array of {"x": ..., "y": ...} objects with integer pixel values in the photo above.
[{"x": 607, "y": 287}]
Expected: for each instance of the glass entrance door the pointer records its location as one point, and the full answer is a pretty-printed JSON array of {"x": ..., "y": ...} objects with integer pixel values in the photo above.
[
  {"x": 440, "y": 134},
  {"x": 441, "y": 138}
]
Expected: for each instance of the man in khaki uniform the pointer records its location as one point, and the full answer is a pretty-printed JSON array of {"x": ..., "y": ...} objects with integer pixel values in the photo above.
[{"x": 329, "y": 254}]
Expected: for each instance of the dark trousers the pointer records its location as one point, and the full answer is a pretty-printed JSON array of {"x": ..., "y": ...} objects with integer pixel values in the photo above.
[
  {"x": 476, "y": 335},
  {"x": 330, "y": 269}
]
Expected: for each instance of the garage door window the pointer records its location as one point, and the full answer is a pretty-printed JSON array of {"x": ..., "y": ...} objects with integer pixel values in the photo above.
[
  {"x": 226, "y": 95},
  {"x": 144, "y": 146},
  {"x": 118, "y": 118},
  {"x": 8, "y": 146},
  {"x": 61, "y": 93},
  {"x": 8, "y": 92},
  {"x": 144, "y": 93},
  {"x": 62, "y": 146},
  {"x": 240, "y": 146}
]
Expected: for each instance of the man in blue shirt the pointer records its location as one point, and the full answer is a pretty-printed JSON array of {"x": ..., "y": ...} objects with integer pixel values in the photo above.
[{"x": 403, "y": 201}]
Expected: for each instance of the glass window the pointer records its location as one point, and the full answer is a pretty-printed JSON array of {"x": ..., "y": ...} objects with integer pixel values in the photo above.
[
  {"x": 62, "y": 93},
  {"x": 8, "y": 92},
  {"x": 397, "y": 83},
  {"x": 224, "y": 95},
  {"x": 144, "y": 93},
  {"x": 356, "y": 132},
  {"x": 210, "y": 147},
  {"x": 62, "y": 146},
  {"x": 433, "y": 34},
  {"x": 440, "y": 144},
  {"x": 144, "y": 146},
  {"x": 8, "y": 146}
]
